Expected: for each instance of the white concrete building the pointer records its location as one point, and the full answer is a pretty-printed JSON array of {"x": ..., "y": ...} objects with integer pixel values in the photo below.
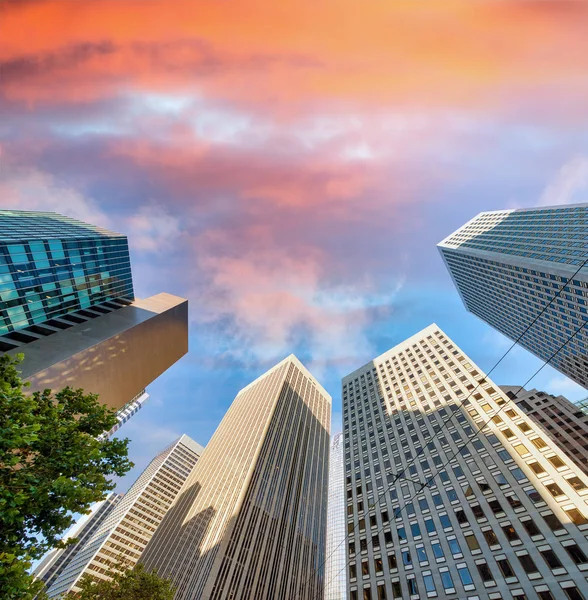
[
  {"x": 452, "y": 492},
  {"x": 127, "y": 529},
  {"x": 508, "y": 265}
]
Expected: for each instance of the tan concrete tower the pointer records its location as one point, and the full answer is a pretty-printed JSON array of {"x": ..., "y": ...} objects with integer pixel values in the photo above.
[{"x": 250, "y": 521}]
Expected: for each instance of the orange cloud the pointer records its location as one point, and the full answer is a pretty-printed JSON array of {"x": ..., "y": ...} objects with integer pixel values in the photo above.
[{"x": 290, "y": 53}]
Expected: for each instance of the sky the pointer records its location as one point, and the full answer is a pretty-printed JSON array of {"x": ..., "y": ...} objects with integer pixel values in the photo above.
[{"x": 289, "y": 167}]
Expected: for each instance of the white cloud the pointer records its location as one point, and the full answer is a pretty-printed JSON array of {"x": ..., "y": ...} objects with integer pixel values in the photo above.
[
  {"x": 564, "y": 386},
  {"x": 152, "y": 229},
  {"x": 570, "y": 179}
]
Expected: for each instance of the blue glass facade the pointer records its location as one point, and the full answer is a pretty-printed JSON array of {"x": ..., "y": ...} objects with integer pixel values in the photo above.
[{"x": 51, "y": 265}]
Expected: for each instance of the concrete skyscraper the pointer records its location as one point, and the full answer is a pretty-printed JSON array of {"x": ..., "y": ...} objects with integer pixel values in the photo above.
[
  {"x": 57, "y": 560},
  {"x": 452, "y": 492},
  {"x": 335, "y": 571},
  {"x": 565, "y": 422},
  {"x": 67, "y": 303},
  {"x": 250, "y": 521},
  {"x": 508, "y": 265},
  {"x": 128, "y": 527}
]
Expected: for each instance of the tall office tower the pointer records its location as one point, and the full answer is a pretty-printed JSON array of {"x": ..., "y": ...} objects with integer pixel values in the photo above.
[
  {"x": 335, "y": 568},
  {"x": 251, "y": 519},
  {"x": 565, "y": 422},
  {"x": 67, "y": 303},
  {"x": 127, "y": 411},
  {"x": 504, "y": 516},
  {"x": 123, "y": 535},
  {"x": 57, "y": 560},
  {"x": 508, "y": 265}
]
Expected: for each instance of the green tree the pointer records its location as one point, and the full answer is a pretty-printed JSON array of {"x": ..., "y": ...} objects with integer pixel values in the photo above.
[
  {"x": 134, "y": 584},
  {"x": 52, "y": 466}
]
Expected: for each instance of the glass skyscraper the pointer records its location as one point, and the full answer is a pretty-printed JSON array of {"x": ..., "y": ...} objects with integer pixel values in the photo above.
[
  {"x": 335, "y": 571},
  {"x": 508, "y": 265},
  {"x": 451, "y": 491},
  {"x": 250, "y": 521},
  {"x": 51, "y": 265},
  {"x": 67, "y": 304}
]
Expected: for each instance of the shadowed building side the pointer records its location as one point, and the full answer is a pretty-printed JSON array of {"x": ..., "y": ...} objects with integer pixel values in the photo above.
[{"x": 264, "y": 477}]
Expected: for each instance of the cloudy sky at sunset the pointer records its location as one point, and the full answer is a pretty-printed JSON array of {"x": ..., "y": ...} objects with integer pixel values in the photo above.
[{"x": 290, "y": 166}]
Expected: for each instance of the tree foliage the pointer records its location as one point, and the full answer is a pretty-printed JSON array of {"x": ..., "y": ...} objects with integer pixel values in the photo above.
[
  {"x": 134, "y": 584},
  {"x": 52, "y": 465}
]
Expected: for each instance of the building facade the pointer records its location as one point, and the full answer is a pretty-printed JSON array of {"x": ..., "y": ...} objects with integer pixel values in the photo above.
[
  {"x": 335, "y": 571},
  {"x": 51, "y": 266},
  {"x": 250, "y": 521},
  {"x": 452, "y": 491},
  {"x": 565, "y": 422},
  {"x": 509, "y": 265},
  {"x": 125, "y": 532},
  {"x": 67, "y": 304},
  {"x": 57, "y": 560}
]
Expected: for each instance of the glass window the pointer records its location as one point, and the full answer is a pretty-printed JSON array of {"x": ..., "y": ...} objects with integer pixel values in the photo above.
[
  {"x": 576, "y": 554},
  {"x": 510, "y": 533},
  {"x": 527, "y": 563},
  {"x": 576, "y": 516},
  {"x": 365, "y": 567},
  {"x": 531, "y": 527},
  {"x": 485, "y": 572},
  {"x": 422, "y": 554},
  {"x": 551, "y": 559},
  {"x": 454, "y": 546},
  {"x": 536, "y": 468},
  {"x": 445, "y": 522},
  {"x": 367, "y": 594},
  {"x": 554, "y": 489},
  {"x": 352, "y": 571},
  {"x": 556, "y": 461},
  {"x": 518, "y": 474},
  {"x": 392, "y": 564},
  {"x": 539, "y": 443},
  {"x": 415, "y": 530},
  {"x": 461, "y": 517},
  {"x": 576, "y": 482},
  {"x": 437, "y": 550},
  {"x": 412, "y": 587},
  {"x": 446, "y": 580},
  {"x": 396, "y": 589},
  {"x": 429, "y": 583},
  {"x": 465, "y": 575},
  {"x": 401, "y": 533},
  {"x": 381, "y": 592},
  {"x": 406, "y": 558},
  {"x": 490, "y": 537},
  {"x": 472, "y": 542},
  {"x": 505, "y": 567},
  {"x": 430, "y": 526},
  {"x": 573, "y": 593},
  {"x": 552, "y": 521}
]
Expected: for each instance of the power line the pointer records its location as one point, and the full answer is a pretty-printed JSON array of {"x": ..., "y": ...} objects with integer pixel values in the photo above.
[
  {"x": 458, "y": 451},
  {"x": 445, "y": 423}
]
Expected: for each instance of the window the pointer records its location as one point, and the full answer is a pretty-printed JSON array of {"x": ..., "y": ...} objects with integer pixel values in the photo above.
[
  {"x": 437, "y": 550},
  {"x": 552, "y": 521},
  {"x": 415, "y": 530},
  {"x": 576, "y": 554},
  {"x": 478, "y": 512},
  {"x": 576, "y": 516},
  {"x": 365, "y": 568},
  {"x": 406, "y": 558},
  {"x": 429, "y": 583},
  {"x": 445, "y": 522},
  {"x": 367, "y": 594},
  {"x": 576, "y": 483},
  {"x": 490, "y": 537},
  {"x": 461, "y": 517},
  {"x": 465, "y": 575},
  {"x": 495, "y": 506},
  {"x": 573, "y": 593},
  {"x": 505, "y": 567},
  {"x": 556, "y": 461},
  {"x": 514, "y": 501},
  {"x": 396, "y": 589},
  {"x": 510, "y": 533},
  {"x": 518, "y": 474},
  {"x": 422, "y": 554},
  {"x": 392, "y": 564},
  {"x": 551, "y": 559},
  {"x": 430, "y": 526},
  {"x": 539, "y": 443},
  {"x": 485, "y": 572},
  {"x": 536, "y": 468},
  {"x": 534, "y": 495},
  {"x": 554, "y": 489},
  {"x": 528, "y": 564},
  {"x": 546, "y": 595},
  {"x": 352, "y": 571},
  {"x": 472, "y": 542},
  {"x": 401, "y": 533},
  {"x": 454, "y": 547},
  {"x": 531, "y": 527},
  {"x": 446, "y": 580},
  {"x": 412, "y": 587},
  {"x": 378, "y": 565}
]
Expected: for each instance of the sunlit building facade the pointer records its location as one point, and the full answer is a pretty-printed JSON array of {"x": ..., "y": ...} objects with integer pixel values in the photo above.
[
  {"x": 509, "y": 265},
  {"x": 125, "y": 532},
  {"x": 451, "y": 490},
  {"x": 335, "y": 572},
  {"x": 250, "y": 522}
]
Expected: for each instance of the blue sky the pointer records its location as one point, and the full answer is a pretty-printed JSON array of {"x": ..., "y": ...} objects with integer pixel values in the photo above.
[{"x": 289, "y": 168}]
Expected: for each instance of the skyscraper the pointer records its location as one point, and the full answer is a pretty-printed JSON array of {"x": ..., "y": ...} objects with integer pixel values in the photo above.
[
  {"x": 67, "y": 303},
  {"x": 451, "y": 491},
  {"x": 508, "y": 265},
  {"x": 335, "y": 571},
  {"x": 57, "y": 560},
  {"x": 128, "y": 527},
  {"x": 251, "y": 518},
  {"x": 565, "y": 422}
]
